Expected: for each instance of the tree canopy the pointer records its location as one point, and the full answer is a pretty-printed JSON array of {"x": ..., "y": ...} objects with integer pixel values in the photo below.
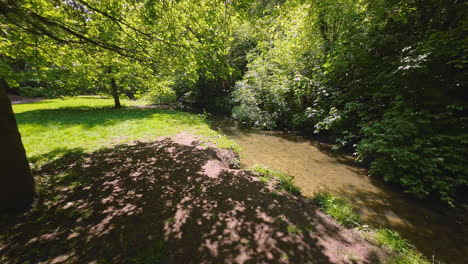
[{"x": 384, "y": 79}]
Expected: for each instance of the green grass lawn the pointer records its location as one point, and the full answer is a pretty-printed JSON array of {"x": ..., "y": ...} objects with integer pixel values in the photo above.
[{"x": 51, "y": 128}]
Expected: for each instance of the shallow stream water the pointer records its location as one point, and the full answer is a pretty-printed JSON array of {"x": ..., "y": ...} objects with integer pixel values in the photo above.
[{"x": 440, "y": 233}]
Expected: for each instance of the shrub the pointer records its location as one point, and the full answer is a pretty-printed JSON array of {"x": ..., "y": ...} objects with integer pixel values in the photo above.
[
  {"x": 160, "y": 94},
  {"x": 252, "y": 116},
  {"x": 424, "y": 159}
]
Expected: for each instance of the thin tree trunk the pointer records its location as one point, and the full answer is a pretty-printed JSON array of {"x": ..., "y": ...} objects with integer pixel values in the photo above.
[
  {"x": 16, "y": 182},
  {"x": 114, "y": 91},
  {"x": 115, "y": 94}
]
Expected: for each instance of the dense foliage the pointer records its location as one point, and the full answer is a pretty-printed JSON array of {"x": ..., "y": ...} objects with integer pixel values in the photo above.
[{"x": 382, "y": 78}]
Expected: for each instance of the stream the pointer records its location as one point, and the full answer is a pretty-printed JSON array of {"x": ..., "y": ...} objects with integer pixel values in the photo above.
[{"x": 438, "y": 233}]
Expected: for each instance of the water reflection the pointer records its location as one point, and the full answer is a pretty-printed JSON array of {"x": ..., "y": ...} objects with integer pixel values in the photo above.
[{"x": 440, "y": 233}]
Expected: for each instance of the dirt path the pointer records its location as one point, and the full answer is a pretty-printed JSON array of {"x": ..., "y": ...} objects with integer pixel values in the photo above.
[
  {"x": 17, "y": 99},
  {"x": 171, "y": 202}
]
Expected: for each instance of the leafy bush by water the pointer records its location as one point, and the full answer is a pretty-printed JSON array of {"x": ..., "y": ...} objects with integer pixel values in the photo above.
[{"x": 423, "y": 160}]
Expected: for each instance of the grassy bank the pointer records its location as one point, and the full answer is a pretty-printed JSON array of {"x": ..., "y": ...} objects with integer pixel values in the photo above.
[
  {"x": 51, "y": 128},
  {"x": 403, "y": 252}
]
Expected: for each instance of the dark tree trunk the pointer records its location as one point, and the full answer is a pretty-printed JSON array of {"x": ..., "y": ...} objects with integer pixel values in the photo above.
[
  {"x": 16, "y": 181},
  {"x": 130, "y": 95},
  {"x": 115, "y": 94},
  {"x": 114, "y": 91}
]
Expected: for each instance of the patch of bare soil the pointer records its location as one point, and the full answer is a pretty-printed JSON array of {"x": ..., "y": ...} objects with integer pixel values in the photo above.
[
  {"x": 169, "y": 202},
  {"x": 18, "y": 99},
  {"x": 152, "y": 106}
]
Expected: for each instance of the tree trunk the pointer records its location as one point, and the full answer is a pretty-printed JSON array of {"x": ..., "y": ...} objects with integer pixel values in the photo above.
[
  {"x": 114, "y": 91},
  {"x": 130, "y": 95},
  {"x": 16, "y": 182},
  {"x": 115, "y": 94}
]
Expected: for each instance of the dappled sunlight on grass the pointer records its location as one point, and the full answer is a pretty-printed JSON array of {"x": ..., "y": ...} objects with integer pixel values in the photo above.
[
  {"x": 79, "y": 102},
  {"x": 90, "y": 123}
]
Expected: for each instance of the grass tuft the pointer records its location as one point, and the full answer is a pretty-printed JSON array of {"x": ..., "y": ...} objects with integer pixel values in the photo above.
[
  {"x": 406, "y": 253},
  {"x": 392, "y": 240},
  {"x": 285, "y": 180},
  {"x": 294, "y": 229},
  {"x": 337, "y": 208},
  {"x": 411, "y": 257}
]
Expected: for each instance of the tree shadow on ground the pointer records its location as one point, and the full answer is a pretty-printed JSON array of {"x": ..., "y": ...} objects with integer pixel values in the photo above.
[
  {"x": 57, "y": 153},
  {"x": 163, "y": 202}
]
